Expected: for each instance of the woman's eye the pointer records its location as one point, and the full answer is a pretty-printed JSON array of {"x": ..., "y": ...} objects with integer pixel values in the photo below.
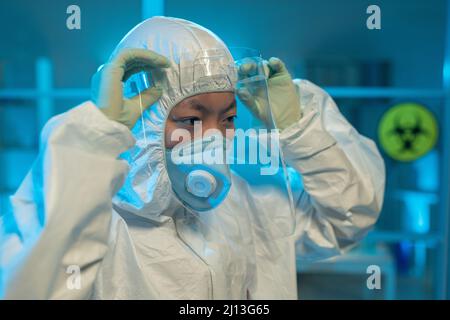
[
  {"x": 188, "y": 121},
  {"x": 231, "y": 119}
]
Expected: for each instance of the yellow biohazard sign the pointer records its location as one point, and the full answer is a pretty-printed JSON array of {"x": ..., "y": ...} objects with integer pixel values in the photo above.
[{"x": 407, "y": 131}]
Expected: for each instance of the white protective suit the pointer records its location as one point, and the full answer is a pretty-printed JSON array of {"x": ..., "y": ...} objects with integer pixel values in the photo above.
[{"x": 142, "y": 244}]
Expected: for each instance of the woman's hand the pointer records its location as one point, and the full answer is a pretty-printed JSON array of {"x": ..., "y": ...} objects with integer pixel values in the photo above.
[
  {"x": 284, "y": 101},
  {"x": 107, "y": 85}
]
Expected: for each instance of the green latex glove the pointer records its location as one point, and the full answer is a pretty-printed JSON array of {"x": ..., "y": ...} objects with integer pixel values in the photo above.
[
  {"x": 107, "y": 86},
  {"x": 283, "y": 97}
]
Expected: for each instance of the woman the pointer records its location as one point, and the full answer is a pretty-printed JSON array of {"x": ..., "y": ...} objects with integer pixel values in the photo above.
[{"x": 87, "y": 224}]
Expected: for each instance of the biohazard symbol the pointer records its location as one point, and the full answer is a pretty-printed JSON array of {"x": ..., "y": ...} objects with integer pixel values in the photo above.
[{"x": 407, "y": 131}]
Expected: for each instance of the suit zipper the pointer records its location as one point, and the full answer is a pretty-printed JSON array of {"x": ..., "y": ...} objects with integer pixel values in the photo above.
[{"x": 198, "y": 257}]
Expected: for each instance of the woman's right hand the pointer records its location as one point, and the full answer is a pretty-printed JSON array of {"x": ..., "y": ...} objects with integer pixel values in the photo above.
[{"x": 107, "y": 86}]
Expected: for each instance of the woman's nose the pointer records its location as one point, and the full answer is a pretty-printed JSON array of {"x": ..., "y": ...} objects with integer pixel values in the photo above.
[{"x": 213, "y": 125}]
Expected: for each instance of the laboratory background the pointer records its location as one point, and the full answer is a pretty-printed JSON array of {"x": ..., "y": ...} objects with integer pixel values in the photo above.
[{"x": 385, "y": 62}]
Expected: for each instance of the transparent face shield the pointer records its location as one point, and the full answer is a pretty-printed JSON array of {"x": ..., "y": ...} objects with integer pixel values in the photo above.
[
  {"x": 258, "y": 156},
  {"x": 200, "y": 168}
]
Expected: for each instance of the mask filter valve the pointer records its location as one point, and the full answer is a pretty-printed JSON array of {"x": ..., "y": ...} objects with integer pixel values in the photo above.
[{"x": 201, "y": 183}]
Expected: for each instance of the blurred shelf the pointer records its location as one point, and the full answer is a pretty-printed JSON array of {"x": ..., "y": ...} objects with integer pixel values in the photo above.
[
  {"x": 432, "y": 196},
  {"x": 380, "y": 92},
  {"x": 335, "y": 92},
  {"x": 356, "y": 262},
  {"x": 351, "y": 259},
  {"x": 8, "y": 148},
  {"x": 35, "y": 94},
  {"x": 6, "y": 191},
  {"x": 394, "y": 237},
  {"x": 16, "y": 103}
]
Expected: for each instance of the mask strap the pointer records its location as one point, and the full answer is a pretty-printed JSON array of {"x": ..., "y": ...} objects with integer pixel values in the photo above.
[
  {"x": 142, "y": 118},
  {"x": 150, "y": 170}
]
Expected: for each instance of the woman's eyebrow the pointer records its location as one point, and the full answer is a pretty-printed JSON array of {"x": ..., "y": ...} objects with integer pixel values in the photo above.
[
  {"x": 195, "y": 104},
  {"x": 231, "y": 106}
]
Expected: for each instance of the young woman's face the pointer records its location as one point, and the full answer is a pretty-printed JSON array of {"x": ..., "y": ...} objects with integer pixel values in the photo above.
[{"x": 215, "y": 110}]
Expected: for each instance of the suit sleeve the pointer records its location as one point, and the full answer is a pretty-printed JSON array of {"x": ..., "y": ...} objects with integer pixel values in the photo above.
[
  {"x": 53, "y": 238},
  {"x": 342, "y": 173}
]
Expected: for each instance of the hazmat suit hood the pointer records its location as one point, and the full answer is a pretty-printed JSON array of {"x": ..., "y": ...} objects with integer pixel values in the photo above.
[{"x": 147, "y": 190}]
